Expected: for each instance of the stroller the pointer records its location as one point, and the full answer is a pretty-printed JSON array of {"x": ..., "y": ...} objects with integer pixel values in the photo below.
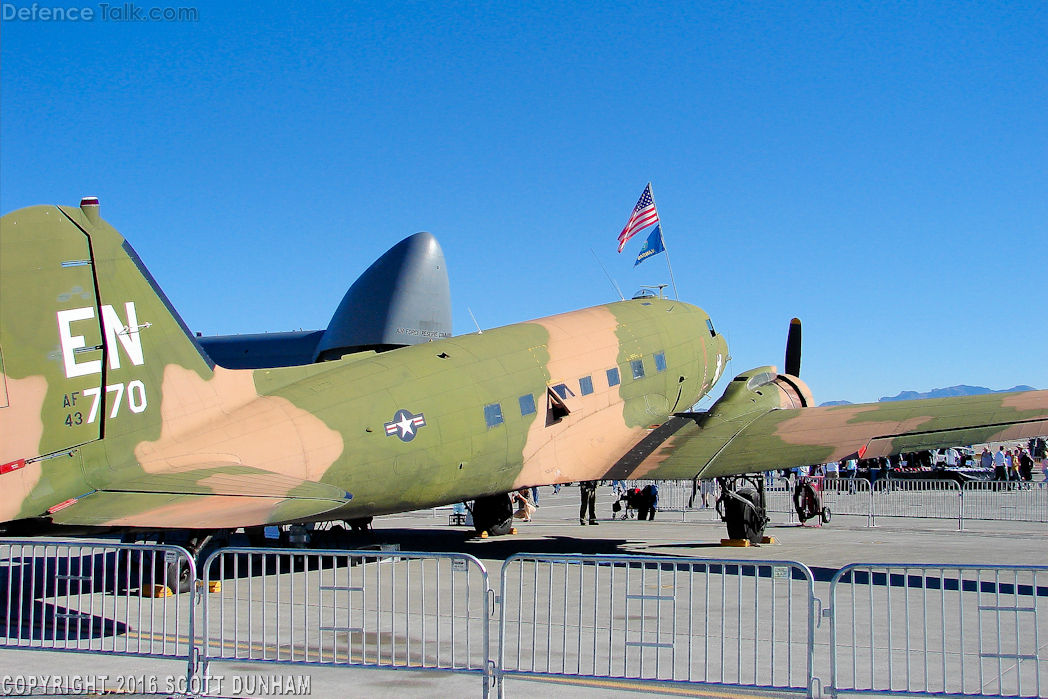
[{"x": 636, "y": 501}]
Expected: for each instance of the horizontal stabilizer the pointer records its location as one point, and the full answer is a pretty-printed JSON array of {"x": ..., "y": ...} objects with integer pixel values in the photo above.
[
  {"x": 230, "y": 479},
  {"x": 167, "y": 510}
]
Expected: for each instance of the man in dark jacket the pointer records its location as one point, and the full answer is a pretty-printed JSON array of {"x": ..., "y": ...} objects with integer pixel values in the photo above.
[{"x": 589, "y": 500}]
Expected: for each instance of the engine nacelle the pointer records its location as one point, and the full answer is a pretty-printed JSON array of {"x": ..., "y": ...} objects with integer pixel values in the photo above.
[{"x": 759, "y": 391}]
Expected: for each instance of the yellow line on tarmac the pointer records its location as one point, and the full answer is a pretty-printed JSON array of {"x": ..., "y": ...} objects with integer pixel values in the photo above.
[
  {"x": 650, "y": 686},
  {"x": 672, "y": 688}
]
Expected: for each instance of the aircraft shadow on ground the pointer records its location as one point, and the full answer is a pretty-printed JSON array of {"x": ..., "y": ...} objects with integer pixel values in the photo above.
[{"x": 28, "y": 582}]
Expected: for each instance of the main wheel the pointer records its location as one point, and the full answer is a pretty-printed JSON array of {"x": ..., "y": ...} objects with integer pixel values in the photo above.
[
  {"x": 744, "y": 519},
  {"x": 825, "y": 515},
  {"x": 493, "y": 514},
  {"x": 174, "y": 574},
  {"x": 360, "y": 525}
]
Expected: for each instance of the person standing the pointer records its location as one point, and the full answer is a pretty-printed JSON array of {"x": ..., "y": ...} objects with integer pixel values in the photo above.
[
  {"x": 850, "y": 467},
  {"x": 1000, "y": 469},
  {"x": 589, "y": 500},
  {"x": 986, "y": 459},
  {"x": 1025, "y": 465}
]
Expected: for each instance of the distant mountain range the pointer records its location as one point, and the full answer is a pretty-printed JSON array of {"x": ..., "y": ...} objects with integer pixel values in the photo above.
[{"x": 939, "y": 393}]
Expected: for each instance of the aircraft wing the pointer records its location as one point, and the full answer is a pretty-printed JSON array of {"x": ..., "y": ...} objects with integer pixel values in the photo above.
[{"x": 751, "y": 433}]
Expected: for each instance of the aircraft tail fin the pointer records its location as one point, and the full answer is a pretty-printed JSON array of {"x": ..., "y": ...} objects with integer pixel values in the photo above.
[{"x": 85, "y": 333}]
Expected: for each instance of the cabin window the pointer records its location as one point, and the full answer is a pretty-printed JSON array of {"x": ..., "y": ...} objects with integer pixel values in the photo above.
[
  {"x": 586, "y": 385},
  {"x": 613, "y": 377},
  {"x": 493, "y": 415},
  {"x": 527, "y": 405},
  {"x": 637, "y": 366},
  {"x": 660, "y": 361},
  {"x": 563, "y": 391},
  {"x": 709, "y": 324}
]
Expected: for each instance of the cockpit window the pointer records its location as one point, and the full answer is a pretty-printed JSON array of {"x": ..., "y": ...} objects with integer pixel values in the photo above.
[
  {"x": 493, "y": 415},
  {"x": 709, "y": 324},
  {"x": 660, "y": 361}
]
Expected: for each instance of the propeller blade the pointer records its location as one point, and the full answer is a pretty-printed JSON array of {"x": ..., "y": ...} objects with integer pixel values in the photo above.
[{"x": 793, "y": 348}]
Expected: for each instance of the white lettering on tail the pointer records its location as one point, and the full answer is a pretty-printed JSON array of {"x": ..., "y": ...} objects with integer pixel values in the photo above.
[
  {"x": 129, "y": 335},
  {"x": 71, "y": 342}
]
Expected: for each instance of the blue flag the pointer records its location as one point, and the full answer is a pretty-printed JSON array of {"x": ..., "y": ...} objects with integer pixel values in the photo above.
[{"x": 652, "y": 246}]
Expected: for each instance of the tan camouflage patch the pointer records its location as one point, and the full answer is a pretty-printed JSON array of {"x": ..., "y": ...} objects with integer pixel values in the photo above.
[
  {"x": 224, "y": 420},
  {"x": 833, "y": 427},
  {"x": 22, "y": 423},
  {"x": 21, "y": 428},
  {"x": 585, "y": 444},
  {"x": 1028, "y": 400}
]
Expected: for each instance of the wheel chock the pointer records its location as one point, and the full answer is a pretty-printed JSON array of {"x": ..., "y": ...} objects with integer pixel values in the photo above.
[
  {"x": 212, "y": 586},
  {"x": 157, "y": 591},
  {"x": 513, "y": 530},
  {"x": 768, "y": 540},
  {"x": 484, "y": 534},
  {"x": 741, "y": 543}
]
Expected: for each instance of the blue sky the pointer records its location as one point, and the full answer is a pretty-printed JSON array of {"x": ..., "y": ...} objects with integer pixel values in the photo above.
[{"x": 879, "y": 170}]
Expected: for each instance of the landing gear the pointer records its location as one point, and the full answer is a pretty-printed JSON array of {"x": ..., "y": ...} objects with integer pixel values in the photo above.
[
  {"x": 742, "y": 507},
  {"x": 493, "y": 514},
  {"x": 361, "y": 525},
  {"x": 169, "y": 570}
]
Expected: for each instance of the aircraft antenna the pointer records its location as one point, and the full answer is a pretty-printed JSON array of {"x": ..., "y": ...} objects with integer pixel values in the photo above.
[
  {"x": 614, "y": 284},
  {"x": 479, "y": 331}
]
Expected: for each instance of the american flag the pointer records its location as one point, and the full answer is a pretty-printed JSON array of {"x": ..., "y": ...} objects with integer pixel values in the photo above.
[{"x": 644, "y": 215}]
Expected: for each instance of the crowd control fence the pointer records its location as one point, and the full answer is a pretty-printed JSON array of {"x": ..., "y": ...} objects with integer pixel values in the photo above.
[
  {"x": 682, "y": 496},
  {"x": 943, "y": 630},
  {"x": 98, "y": 598},
  {"x": 1015, "y": 501},
  {"x": 920, "y": 498},
  {"x": 909, "y": 630},
  {"x": 721, "y": 622},
  {"x": 392, "y": 610}
]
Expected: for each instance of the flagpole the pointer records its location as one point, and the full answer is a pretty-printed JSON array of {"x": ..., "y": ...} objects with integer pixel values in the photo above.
[{"x": 666, "y": 247}]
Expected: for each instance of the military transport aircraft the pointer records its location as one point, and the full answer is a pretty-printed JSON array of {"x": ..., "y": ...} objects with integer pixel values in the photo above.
[{"x": 113, "y": 417}]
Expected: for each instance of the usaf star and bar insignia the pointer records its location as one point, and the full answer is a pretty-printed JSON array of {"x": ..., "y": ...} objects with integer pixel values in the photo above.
[{"x": 405, "y": 425}]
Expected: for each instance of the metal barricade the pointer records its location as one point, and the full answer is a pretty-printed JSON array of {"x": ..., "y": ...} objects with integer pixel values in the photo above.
[
  {"x": 844, "y": 496},
  {"x": 930, "y": 498},
  {"x": 391, "y": 610},
  {"x": 1021, "y": 501},
  {"x": 675, "y": 496},
  {"x": 778, "y": 498},
  {"x": 721, "y": 622},
  {"x": 944, "y": 630},
  {"x": 847, "y": 496},
  {"x": 98, "y": 598}
]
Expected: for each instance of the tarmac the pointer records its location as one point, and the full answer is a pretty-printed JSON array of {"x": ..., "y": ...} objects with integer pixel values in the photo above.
[{"x": 555, "y": 529}]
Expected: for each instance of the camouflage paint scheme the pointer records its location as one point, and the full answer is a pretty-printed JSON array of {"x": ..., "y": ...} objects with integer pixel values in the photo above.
[{"x": 112, "y": 415}]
